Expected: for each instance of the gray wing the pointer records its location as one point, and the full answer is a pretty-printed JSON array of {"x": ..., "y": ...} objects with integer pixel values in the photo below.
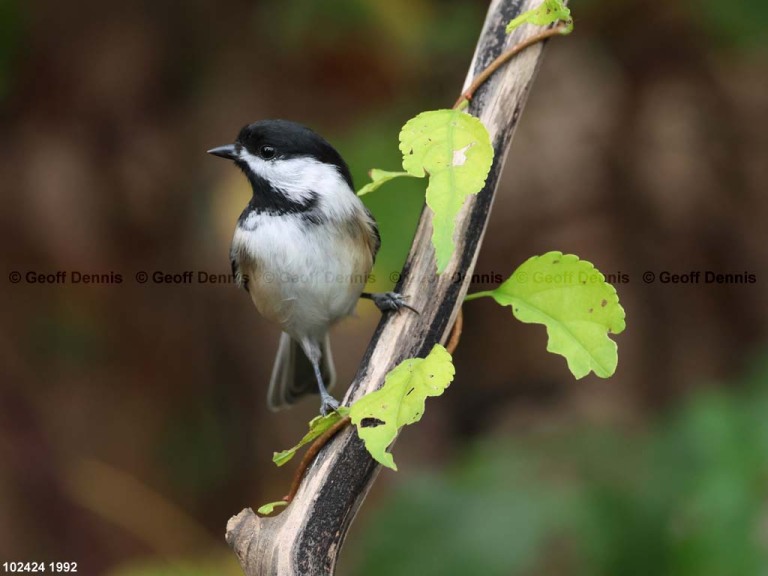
[
  {"x": 240, "y": 279},
  {"x": 374, "y": 236}
]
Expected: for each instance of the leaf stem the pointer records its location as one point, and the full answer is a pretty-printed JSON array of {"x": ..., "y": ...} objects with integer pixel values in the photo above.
[
  {"x": 478, "y": 295},
  {"x": 455, "y": 337},
  {"x": 481, "y": 78},
  {"x": 311, "y": 453}
]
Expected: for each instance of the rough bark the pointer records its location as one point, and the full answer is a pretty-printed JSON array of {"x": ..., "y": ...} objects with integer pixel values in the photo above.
[{"x": 307, "y": 536}]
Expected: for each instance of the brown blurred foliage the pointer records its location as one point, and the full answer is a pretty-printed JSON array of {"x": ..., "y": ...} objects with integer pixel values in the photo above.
[{"x": 643, "y": 147}]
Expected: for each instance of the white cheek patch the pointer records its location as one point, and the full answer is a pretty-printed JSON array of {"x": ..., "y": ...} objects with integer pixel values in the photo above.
[{"x": 303, "y": 178}]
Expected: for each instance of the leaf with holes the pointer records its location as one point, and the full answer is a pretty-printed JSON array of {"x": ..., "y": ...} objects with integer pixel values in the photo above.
[
  {"x": 400, "y": 401},
  {"x": 317, "y": 426},
  {"x": 548, "y": 12},
  {"x": 379, "y": 177},
  {"x": 455, "y": 150},
  {"x": 575, "y": 303}
]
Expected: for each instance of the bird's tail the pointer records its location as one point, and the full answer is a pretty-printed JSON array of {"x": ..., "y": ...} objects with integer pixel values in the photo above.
[{"x": 293, "y": 375}]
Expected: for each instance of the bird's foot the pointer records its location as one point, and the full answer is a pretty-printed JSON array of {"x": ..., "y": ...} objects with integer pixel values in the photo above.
[
  {"x": 328, "y": 404},
  {"x": 391, "y": 302}
]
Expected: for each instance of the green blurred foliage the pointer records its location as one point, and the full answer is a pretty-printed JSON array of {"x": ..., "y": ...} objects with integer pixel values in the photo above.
[
  {"x": 293, "y": 22},
  {"x": 68, "y": 336},
  {"x": 727, "y": 24},
  {"x": 223, "y": 564},
  {"x": 11, "y": 28},
  {"x": 194, "y": 446},
  {"x": 740, "y": 23},
  {"x": 419, "y": 27},
  {"x": 687, "y": 498}
]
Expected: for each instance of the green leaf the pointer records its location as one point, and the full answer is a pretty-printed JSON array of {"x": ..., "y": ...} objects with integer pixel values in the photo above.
[
  {"x": 546, "y": 13},
  {"x": 317, "y": 426},
  {"x": 455, "y": 149},
  {"x": 267, "y": 509},
  {"x": 400, "y": 401},
  {"x": 379, "y": 177},
  {"x": 573, "y": 300}
]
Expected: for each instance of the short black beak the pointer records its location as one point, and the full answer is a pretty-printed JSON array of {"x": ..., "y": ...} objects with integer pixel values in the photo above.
[{"x": 229, "y": 152}]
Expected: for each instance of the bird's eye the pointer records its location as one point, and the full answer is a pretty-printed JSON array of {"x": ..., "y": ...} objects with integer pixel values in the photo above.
[{"x": 267, "y": 152}]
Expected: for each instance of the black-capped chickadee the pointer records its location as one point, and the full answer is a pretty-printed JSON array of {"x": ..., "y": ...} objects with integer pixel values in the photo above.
[{"x": 303, "y": 249}]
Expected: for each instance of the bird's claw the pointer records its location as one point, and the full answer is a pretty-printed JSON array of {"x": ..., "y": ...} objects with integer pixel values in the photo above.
[
  {"x": 328, "y": 404},
  {"x": 391, "y": 302}
]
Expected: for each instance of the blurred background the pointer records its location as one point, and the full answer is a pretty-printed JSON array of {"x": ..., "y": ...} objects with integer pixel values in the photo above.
[{"x": 132, "y": 417}]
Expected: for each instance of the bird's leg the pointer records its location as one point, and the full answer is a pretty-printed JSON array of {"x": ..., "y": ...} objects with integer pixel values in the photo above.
[
  {"x": 327, "y": 402},
  {"x": 388, "y": 301}
]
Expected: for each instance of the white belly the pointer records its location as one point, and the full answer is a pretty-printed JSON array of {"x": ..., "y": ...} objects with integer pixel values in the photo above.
[{"x": 302, "y": 276}]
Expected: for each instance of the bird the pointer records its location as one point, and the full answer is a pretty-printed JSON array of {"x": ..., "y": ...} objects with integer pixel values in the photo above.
[{"x": 303, "y": 249}]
